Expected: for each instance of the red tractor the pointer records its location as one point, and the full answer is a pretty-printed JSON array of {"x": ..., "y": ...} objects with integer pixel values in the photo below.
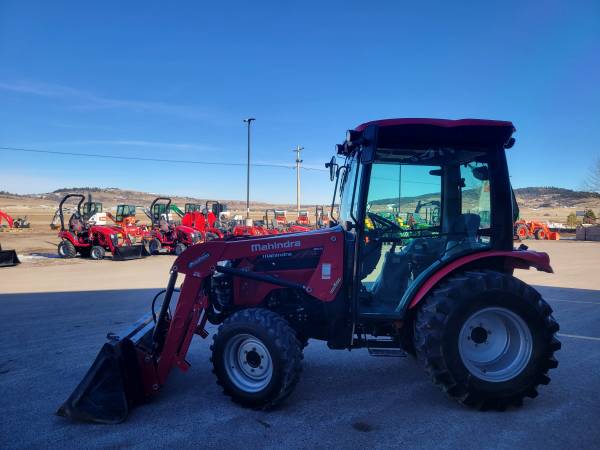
[
  {"x": 79, "y": 236},
  {"x": 444, "y": 293},
  {"x": 303, "y": 218},
  {"x": 164, "y": 234},
  {"x": 206, "y": 219},
  {"x": 322, "y": 218}
]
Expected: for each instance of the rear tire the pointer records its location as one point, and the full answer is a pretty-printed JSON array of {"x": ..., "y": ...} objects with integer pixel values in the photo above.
[
  {"x": 66, "y": 249},
  {"x": 256, "y": 358},
  {"x": 180, "y": 248},
  {"x": 154, "y": 246},
  {"x": 487, "y": 339},
  {"x": 522, "y": 232},
  {"x": 97, "y": 253}
]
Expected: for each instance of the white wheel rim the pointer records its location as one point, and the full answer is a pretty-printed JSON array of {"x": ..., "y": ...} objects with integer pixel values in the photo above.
[
  {"x": 495, "y": 344},
  {"x": 248, "y": 363}
]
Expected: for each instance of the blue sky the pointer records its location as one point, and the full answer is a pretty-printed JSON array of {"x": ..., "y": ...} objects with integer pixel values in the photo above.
[{"x": 166, "y": 80}]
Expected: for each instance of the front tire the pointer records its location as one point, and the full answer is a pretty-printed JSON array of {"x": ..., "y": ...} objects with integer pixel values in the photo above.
[
  {"x": 66, "y": 249},
  {"x": 180, "y": 248},
  {"x": 487, "y": 339},
  {"x": 154, "y": 246},
  {"x": 97, "y": 253},
  {"x": 256, "y": 358}
]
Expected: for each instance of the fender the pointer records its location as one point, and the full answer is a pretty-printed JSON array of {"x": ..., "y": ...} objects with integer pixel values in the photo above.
[{"x": 515, "y": 259}]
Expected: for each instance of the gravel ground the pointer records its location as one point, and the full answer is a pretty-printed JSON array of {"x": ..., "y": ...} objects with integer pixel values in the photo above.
[{"x": 55, "y": 319}]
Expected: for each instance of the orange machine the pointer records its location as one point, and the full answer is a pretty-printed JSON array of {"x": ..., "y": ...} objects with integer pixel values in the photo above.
[{"x": 534, "y": 229}]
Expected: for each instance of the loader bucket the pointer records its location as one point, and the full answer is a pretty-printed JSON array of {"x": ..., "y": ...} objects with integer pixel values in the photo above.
[
  {"x": 128, "y": 252},
  {"x": 115, "y": 382},
  {"x": 8, "y": 258}
]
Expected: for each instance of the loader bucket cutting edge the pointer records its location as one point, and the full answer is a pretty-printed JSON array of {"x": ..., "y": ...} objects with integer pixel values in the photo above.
[
  {"x": 128, "y": 252},
  {"x": 9, "y": 258},
  {"x": 114, "y": 383}
]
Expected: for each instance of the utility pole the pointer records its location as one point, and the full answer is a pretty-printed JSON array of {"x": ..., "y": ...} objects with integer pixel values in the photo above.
[
  {"x": 249, "y": 122},
  {"x": 298, "y": 161}
]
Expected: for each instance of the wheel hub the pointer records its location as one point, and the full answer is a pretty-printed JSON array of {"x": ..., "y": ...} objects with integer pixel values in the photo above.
[
  {"x": 479, "y": 335},
  {"x": 248, "y": 363},
  {"x": 495, "y": 344}
]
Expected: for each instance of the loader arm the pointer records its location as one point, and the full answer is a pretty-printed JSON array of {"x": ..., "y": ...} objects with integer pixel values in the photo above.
[{"x": 141, "y": 358}]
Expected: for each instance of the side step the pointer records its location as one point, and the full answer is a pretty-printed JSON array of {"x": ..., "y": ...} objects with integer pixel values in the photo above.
[{"x": 387, "y": 352}]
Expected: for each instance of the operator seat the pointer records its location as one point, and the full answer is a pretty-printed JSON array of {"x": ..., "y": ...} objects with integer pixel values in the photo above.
[
  {"x": 76, "y": 224},
  {"x": 392, "y": 281},
  {"x": 462, "y": 235},
  {"x": 164, "y": 225}
]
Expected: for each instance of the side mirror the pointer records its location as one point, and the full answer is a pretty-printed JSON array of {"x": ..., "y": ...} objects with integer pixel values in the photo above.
[
  {"x": 481, "y": 173},
  {"x": 332, "y": 166}
]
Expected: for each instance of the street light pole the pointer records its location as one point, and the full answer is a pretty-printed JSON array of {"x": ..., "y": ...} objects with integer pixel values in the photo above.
[
  {"x": 298, "y": 161},
  {"x": 249, "y": 122}
]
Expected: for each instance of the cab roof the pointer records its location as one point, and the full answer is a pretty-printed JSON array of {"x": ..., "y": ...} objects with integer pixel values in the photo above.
[{"x": 428, "y": 133}]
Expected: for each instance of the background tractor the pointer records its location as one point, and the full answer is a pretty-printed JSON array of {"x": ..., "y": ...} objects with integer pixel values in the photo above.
[
  {"x": 165, "y": 234},
  {"x": 534, "y": 229},
  {"x": 80, "y": 236},
  {"x": 445, "y": 294}
]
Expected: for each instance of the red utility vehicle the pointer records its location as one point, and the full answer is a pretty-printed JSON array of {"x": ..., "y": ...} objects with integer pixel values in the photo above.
[
  {"x": 165, "y": 235},
  {"x": 92, "y": 241},
  {"x": 444, "y": 292}
]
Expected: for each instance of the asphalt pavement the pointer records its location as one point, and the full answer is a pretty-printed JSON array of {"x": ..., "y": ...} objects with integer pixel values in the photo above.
[{"x": 344, "y": 399}]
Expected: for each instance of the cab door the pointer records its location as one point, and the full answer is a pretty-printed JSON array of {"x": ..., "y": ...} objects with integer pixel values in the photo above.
[{"x": 402, "y": 213}]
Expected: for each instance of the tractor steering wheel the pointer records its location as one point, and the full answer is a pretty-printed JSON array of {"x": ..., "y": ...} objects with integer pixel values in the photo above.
[{"x": 385, "y": 225}]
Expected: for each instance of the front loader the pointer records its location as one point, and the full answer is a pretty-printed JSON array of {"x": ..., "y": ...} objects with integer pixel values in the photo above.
[
  {"x": 443, "y": 293},
  {"x": 8, "y": 258}
]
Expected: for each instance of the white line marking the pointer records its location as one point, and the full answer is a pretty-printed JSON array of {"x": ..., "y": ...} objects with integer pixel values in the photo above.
[{"x": 589, "y": 338}]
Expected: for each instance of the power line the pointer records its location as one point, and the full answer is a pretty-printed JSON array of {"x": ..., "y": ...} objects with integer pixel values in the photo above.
[{"x": 161, "y": 160}]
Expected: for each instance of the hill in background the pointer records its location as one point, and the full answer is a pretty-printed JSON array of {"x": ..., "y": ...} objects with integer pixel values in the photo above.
[{"x": 536, "y": 203}]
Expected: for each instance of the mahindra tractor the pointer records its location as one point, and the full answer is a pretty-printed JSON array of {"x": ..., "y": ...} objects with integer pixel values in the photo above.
[
  {"x": 205, "y": 219},
  {"x": 166, "y": 235},
  {"x": 303, "y": 218},
  {"x": 445, "y": 293},
  {"x": 80, "y": 235}
]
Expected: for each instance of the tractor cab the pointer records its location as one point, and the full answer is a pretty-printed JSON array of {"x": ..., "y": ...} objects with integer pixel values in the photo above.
[
  {"x": 303, "y": 218},
  {"x": 124, "y": 212},
  {"x": 192, "y": 207},
  {"x": 322, "y": 218},
  {"x": 280, "y": 217},
  {"x": 441, "y": 180}
]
